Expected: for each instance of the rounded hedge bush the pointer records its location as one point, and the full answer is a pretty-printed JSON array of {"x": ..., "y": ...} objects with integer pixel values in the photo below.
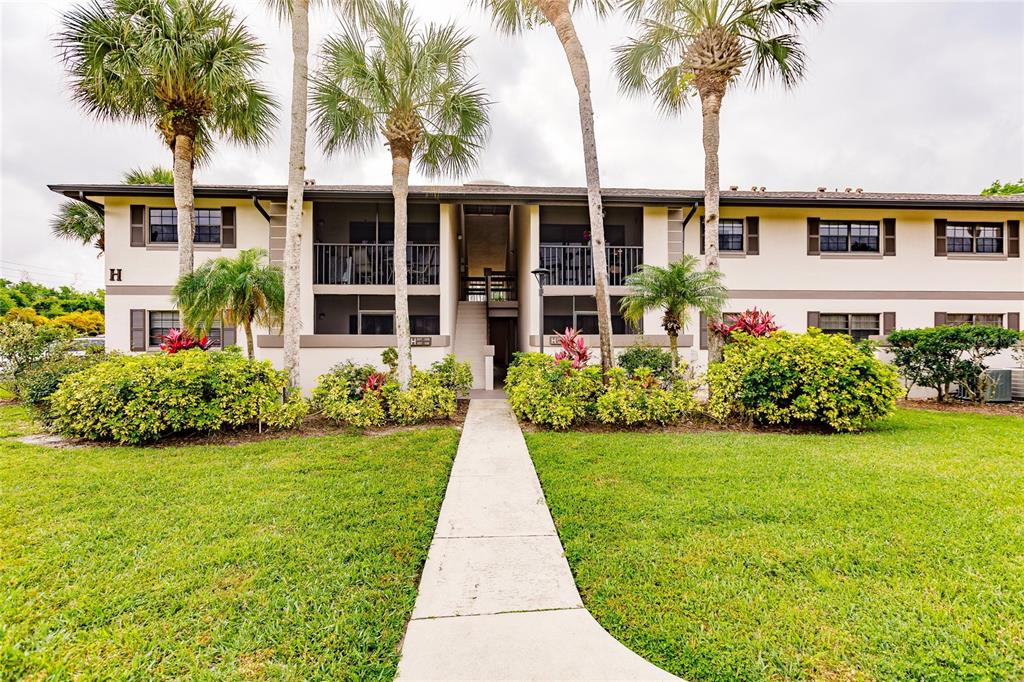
[
  {"x": 657, "y": 360},
  {"x": 138, "y": 398},
  {"x": 811, "y": 378}
]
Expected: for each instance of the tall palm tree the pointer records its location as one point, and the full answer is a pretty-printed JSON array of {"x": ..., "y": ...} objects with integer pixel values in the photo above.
[
  {"x": 77, "y": 221},
  {"x": 410, "y": 85},
  {"x": 240, "y": 290},
  {"x": 674, "y": 290},
  {"x": 704, "y": 47},
  {"x": 297, "y": 13},
  {"x": 514, "y": 16},
  {"x": 186, "y": 67}
]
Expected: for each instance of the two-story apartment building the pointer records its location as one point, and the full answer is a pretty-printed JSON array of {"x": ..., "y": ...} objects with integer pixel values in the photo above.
[{"x": 846, "y": 262}]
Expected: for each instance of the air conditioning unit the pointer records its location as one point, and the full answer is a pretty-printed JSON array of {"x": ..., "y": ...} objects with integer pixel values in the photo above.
[
  {"x": 1017, "y": 383},
  {"x": 999, "y": 386}
]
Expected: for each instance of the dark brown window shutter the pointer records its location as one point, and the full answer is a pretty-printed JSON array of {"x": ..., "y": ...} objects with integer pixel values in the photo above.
[
  {"x": 228, "y": 337},
  {"x": 940, "y": 319},
  {"x": 227, "y": 227},
  {"x": 813, "y": 240},
  {"x": 1013, "y": 238},
  {"x": 703, "y": 331},
  {"x": 702, "y": 234},
  {"x": 138, "y": 334},
  {"x": 1013, "y": 321},
  {"x": 940, "y": 236},
  {"x": 889, "y": 229},
  {"x": 138, "y": 229},
  {"x": 888, "y": 322},
  {"x": 753, "y": 235},
  {"x": 813, "y": 319}
]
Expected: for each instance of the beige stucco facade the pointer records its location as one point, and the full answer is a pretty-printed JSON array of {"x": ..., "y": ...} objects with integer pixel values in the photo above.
[{"x": 911, "y": 285}]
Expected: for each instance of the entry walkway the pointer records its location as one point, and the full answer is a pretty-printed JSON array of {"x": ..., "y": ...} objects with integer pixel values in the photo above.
[{"x": 497, "y": 600}]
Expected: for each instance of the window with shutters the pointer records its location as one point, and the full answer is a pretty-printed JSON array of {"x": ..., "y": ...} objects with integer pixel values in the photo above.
[
  {"x": 974, "y": 237},
  {"x": 163, "y": 225},
  {"x": 730, "y": 235},
  {"x": 161, "y": 322},
  {"x": 846, "y": 236},
  {"x": 983, "y": 319},
  {"x": 860, "y": 326}
]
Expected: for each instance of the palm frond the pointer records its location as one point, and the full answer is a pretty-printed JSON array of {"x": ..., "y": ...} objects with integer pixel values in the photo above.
[
  {"x": 157, "y": 175},
  {"x": 674, "y": 289},
  {"x": 77, "y": 222}
]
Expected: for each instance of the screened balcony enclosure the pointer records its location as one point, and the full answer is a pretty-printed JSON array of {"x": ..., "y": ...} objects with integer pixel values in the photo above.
[
  {"x": 354, "y": 244},
  {"x": 567, "y": 253}
]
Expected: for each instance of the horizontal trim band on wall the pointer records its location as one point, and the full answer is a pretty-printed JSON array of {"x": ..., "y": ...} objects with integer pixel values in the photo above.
[
  {"x": 620, "y": 340},
  {"x": 349, "y": 341},
  {"x": 877, "y": 295},
  {"x": 376, "y": 289},
  {"x": 138, "y": 290}
]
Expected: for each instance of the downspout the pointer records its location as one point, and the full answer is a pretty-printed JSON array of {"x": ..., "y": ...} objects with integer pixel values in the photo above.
[
  {"x": 263, "y": 211},
  {"x": 94, "y": 205},
  {"x": 686, "y": 220}
]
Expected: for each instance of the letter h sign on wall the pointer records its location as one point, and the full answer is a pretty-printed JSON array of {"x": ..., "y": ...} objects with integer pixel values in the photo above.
[{"x": 115, "y": 274}]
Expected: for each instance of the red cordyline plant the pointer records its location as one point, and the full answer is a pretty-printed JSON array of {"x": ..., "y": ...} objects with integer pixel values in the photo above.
[
  {"x": 179, "y": 340},
  {"x": 573, "y": 348},
  {"x": 753, "y": 322},
  {"x": 375, "y": 382}
]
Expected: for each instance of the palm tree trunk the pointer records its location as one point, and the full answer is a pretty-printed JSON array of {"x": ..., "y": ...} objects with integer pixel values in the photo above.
[
  {"x": 557, "y": 13},
  {"x": 184, "y": 201},
  {"x": 247, "y": 324},
  {"x": 400, "y": 190},
  {"x": 296, "y": 181},
  {"x": 711, "y": 105},
  {"x": 673, "y": 345}
]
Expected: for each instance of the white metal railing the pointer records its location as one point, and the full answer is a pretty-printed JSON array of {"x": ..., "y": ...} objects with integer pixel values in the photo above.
[
  {"x": 373, "y": 263},
  {"x": 574, "y": 265}
]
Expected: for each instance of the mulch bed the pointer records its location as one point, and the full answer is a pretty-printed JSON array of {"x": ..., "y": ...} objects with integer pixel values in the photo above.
[
  {"x": 1015, "y": 408},
  {"x": 312, "y": 426},
  {"x": 691, "y": 426}
]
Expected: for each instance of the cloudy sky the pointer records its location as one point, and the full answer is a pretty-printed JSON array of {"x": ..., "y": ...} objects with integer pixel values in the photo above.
[{"x": 900, "y": 96}]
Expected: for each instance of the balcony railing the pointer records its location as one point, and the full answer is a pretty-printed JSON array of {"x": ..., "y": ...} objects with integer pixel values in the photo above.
[
  {"x": 373, "y": 263},
  {"x": 574, "y": 265}
]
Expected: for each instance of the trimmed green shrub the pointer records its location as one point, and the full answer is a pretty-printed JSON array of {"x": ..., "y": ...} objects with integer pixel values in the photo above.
[
  {"x": 551, "y": 393},
  {"x": 23, "y": 345},
  {"x": 811, "y": 378},
  {"x": 36, "y": 383},
  {"x": 454, "y": 375},
  {"x": 640, "y": 399},
  {"x": 658, "y": 360},
  {"x": 361, "y": 396},
  {"x": 135, "y": 399},
  {"x": 939, "y": 357}
]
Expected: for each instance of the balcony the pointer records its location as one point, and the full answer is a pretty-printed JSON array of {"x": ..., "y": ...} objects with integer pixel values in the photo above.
[
  {"x": 574, "y": 265},
  {"x": 373, "y": 263}
]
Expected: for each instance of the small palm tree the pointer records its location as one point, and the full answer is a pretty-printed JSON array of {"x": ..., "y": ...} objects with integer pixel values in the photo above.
[
  {"x": 185, "y": 67},
  {"x": 155, "y": 175},
  {"x": 297, "y": 13},
  {"x": 703, "y": 47},
  {"x": 77, "y": 221},
  {"x": 408, "y": 85},
  {"x": 241, "y": 291},
  {"x": 515, "y": 16},
  {"x": 674, "y": 289}
]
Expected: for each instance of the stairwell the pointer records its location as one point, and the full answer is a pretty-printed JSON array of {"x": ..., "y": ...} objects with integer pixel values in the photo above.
[{"x": 471, "y": 337}]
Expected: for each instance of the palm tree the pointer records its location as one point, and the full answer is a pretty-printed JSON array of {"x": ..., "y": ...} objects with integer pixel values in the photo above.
[
  {"x": 77, "y": 221},
  {"x": 186, "y": 67},
  {"x": 410, "y": 86},
  {"x": 674, "y": 289},
  {"x": 297, "y": 12},
  {"x": 240, "y": 290},
  {"x": 514, "y": 16},
  {"x": 704, "y": 46}
]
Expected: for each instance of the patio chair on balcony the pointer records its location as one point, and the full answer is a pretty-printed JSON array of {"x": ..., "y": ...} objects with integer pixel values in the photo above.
[{"x": 421, "y": 271}]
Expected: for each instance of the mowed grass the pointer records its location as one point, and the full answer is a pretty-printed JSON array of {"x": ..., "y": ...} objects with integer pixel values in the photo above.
[
  {"x": 896, "y": 554},
  {"x": 290, "y": 559}
]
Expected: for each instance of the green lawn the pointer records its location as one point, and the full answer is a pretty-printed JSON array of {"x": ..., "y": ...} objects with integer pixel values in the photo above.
[
  {"x": 896, "y": 554},
  {"x": 289, "y": 559}
]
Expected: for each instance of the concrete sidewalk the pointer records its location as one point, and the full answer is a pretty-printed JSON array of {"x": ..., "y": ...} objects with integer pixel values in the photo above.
[{"x": 497, "y": 600}]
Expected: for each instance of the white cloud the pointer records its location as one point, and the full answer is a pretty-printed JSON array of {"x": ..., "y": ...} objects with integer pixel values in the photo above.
[{"x": 912, "y": 96}]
